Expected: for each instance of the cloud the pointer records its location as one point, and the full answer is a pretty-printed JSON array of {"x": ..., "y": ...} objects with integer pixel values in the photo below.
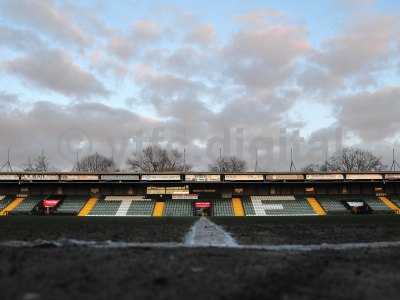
[
  {"x": 197, "y": 80},
  {"x": 46, "y": 17},
  {"x": 260, "y": 17},
  {"x": 187, "y": 61},
  {"x": 62, "y": 130},
  {"x": 202, "y": 35},
  {"x": 126, "y": 46},
  {"x": 122, "y": 47},
  {"x": 357, "y": 4},
  {"x": 264, "y": 56},
  {"x": 19, "y": 39},
  {"x": 54, "y": 70},
  {"x": 355, "y": 56},
  {"x": 146, "y": 31},
  {"x": 165, "y": 87},
  {"x": 106, "y": 65},
  {"x": 230, "y": 87},
  {"x": 8, "y": 100},
  {"x": 373, "y": 116}
]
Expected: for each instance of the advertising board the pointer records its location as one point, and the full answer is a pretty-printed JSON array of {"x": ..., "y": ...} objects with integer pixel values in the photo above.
[
  {"x": 161, "y": 177},
  {"x": 324, "y": 177},
  {"x": 244, "y": 177},
  {"x": 203, "y": 178}
]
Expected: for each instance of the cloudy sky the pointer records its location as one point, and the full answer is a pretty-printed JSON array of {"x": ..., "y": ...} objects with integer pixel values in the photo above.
[{"x": 113, "y": 76}]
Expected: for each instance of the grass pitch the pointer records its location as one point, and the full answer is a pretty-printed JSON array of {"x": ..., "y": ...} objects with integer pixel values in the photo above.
[{"x": 199, "y": 273}]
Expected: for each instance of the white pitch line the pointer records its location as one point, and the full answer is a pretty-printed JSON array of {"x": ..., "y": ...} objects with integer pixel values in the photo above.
[
  {"x": 206, "y": 233},
  {"x": 73, "y": 243},
  {"x": 70, "y": 243},
  {"x": 203, "y": 234}
]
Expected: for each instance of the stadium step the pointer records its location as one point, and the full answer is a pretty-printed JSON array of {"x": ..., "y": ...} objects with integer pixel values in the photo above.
[
  {"x": 390, "y": 204},
  {"x": 87, "y": 208},
  {"x": 159, "y": 209},
  {"x": 237, "y": 207},
  {"x": 10, "y": 207},
  {"x": 316, "y": 206},
  {"x": 123, "y": 208}
]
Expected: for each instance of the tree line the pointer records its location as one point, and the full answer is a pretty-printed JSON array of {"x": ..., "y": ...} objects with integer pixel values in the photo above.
[{"x": 157, "y": 159}]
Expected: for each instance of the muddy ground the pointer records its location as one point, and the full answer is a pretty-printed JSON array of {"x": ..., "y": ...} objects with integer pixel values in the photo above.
[
  {"x": 312, "y": 230},
  {"x": 94, "y": 228},
  {"x": 201, "y": 273}
]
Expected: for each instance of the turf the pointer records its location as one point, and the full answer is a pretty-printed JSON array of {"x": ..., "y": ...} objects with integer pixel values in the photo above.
[
  {"x": 197, "y": 274},
  {"x": 312, "y": 230},
  {"x": 200, "y": 273},
  {"x": 140, "y": 230}
]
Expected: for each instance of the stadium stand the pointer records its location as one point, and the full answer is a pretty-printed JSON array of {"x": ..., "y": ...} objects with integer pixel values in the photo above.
[
  {"x": 131, "y": 205},
  {"x": 143, "y": 208},
  {"x": 28, "y": 204},
  {"x": 376, "y": 205},
  {"x": 4, "y": 201},
  {"x": 332, "y": 205},
  {"x": 105, "y": 208},
  {"x": 159, "y": 208},
  {"x": 395, "y": 199},
  {"x": 285, "y": 205},
  {"x": 123, "y": 208},
  {"x": 390, "y": 204},
  {"x": 87, "y": 208},
  {"x": 316, "y": 206},
  {"x": 180, "y": 208},
  {"x": 200, "y": 194},
  {"x": 248, "y": 206},
  {"x": 237, "y": 205},
  {"x": 123, "y": 198},
  {"x": 222, "y": 207},
  {"x": 72, "y": 205}
]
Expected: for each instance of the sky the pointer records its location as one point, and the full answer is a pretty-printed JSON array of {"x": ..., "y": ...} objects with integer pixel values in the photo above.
[{"x": 247, "y": 78}]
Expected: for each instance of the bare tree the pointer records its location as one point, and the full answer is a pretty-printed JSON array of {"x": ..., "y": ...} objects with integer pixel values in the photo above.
[
  {"x": 228, "y": 164},
  {"x": 39, "y": 164},
  {"x": 95, "y": 163},
  {"x": 156, "y": 159},
  {"x": 354, "y": 160}
]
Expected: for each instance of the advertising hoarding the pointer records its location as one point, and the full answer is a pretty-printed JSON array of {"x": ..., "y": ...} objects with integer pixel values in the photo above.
[
  {"x": 72, "y": 177},
  {"x": 324, "y": 177},
  {"x": 114, "y": 177},
  {"x": 5, "y": 177},
  {"x": 284, "y": 177},
  {"x": 244, "y": 177},
  {"x": 161, "y": 177},
  {"x": 39, "y": 177},
  {"x": 363, "y": 176},
  {"x": 203, "y": 178}
]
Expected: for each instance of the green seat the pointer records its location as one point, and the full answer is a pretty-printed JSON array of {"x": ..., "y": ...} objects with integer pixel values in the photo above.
[
  {"x": 332, "y": 204},
  {"x": 178, "y": 208},
  {"x": 222, "y": 207},
  {"x": 5, "y": 200},
  {"x": 141, "y": 208},
  {"x": 105, "y": 208},
  {"x": 72, "y": 204},
  {"x": 281, "y": 205},
  {"x": 29, "y": 204}
]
